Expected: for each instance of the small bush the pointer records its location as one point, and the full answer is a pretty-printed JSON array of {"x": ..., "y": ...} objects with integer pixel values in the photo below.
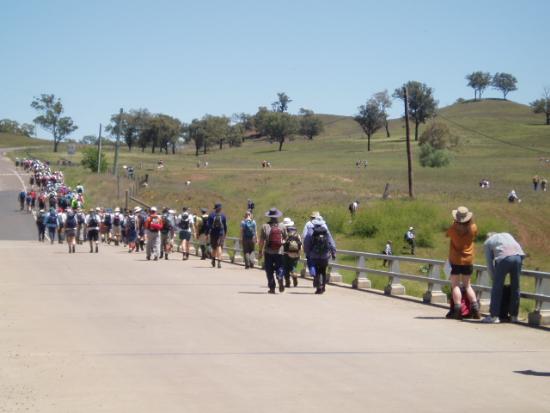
[
  {"x": 490, "y": 224},
  {"x": 336, "y": 219},
  {"x": 433, "y": 158},
  {"x": 89, "y": 159}
]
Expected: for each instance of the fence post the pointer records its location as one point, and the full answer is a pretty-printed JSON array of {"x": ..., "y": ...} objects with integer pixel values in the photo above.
[
  {"x": 541, "y": 315},
  {"x": 394, "y": 286},
  {"x": 334, "y": 276},
  {"x": 238, "y": 257},
  {"x": 483, "y": 297},
  {"x": 361, "y": 280},
  {"x": 434, "y": 295},
  {"x": 225, "y": 253}
]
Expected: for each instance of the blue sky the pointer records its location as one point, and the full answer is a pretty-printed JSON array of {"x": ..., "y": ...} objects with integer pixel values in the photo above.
[{"x": 188, "y": 58}]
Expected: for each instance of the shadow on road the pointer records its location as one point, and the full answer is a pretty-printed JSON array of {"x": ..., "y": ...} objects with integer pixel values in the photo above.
[{"x": 533, "y": 373}]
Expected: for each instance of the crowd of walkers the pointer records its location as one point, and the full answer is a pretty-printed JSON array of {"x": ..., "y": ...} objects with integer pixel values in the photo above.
[{"x": 279, "y": 244}]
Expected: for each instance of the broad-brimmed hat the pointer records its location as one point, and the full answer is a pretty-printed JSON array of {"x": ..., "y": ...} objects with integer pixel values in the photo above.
[
  {"x": 287, "y": 222},
  {"x": 117, "y": 209},
  {"x": 137, "y": 209},
  {"x": 97, "y": 209},
  {"x": 462, "y": 214},
  {"x": 153, "y": 209},
  {"x": 315, "y": 214},
  {"x": 273, "y": 213},
  {"x": 411, "y": 228},
  {"x": 171, "y": 211},
  {"x": 318, "y": 221}
]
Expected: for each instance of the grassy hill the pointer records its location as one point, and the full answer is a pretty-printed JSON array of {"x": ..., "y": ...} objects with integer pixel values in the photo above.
[
  {"x": 10, "y": 140},
  {"x": 499, "y": 140}
]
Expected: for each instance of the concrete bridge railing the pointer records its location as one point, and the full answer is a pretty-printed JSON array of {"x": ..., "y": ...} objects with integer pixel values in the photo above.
[{"x": 434, "y": 280}]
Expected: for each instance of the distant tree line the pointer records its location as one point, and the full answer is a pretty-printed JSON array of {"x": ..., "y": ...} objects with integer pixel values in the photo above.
[
  {"x": 479, "y": 81},
  {"x": 12, "y": 126}
]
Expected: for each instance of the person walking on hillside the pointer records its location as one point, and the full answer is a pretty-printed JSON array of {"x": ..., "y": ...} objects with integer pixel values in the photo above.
[
  {"x": 217, "y": 230},
  {"x": 51, "y": 224},
  {"x": 513, "y": 197},
  {"x": 153, "y": 225},
  {"x": 272, "y": 238},
  {"x": 462, "y": 234},
  {"x": 186, "y": 230},
  {"x": 201, "y": 222},
  {"x": 536, "y": 181},
  {"x": 291, "y": 250},
  {"x": 250, "y": 205},
  {"x": 543, "y": 184},
  {"x": 319, "y": 246},
  {"x": 353, "y": 208},
  {"x": 504, "y": 256},
  {"x": 70, "y": 229},
  {"x": 410, "y": 238},
  {"x": 41, "y": 224},
  {"x": 387, "y": 251},
  {"x": 249, "y": 237},
  {"x": 93, "y": 220}
]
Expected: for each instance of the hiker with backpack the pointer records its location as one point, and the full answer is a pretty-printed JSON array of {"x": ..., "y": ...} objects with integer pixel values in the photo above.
[
  {"x": 504, "y": 256},
  {"x": 131, "y": 225},
  {"x": 51, "y": 224},
  {"x": 41, "y": 225},
  {"x": 153, "y": 226},
  {"x": 117, "y": 220},
  {"x": 291, "y": 253},
  {"x": 71, "y": 224},
  {"x": 93, "y": 221},
  {"x": 61, "y": 218},
  {"x": 166, "y": 232},
  {"x": 186, "y": 230},
  {"x": 272, "y": 238},
  {"x": 201, "y": 222},
  {"x": 353, "y": 208},
  {"x": 107, "y": 226},
  {"x": 22, "y": 196},
  {"x": 217, "y": 230},
  {"x": 249, "y": 238},
  {"x": 141, "y": 216},
  {"x": 250, "y": 205},
  {"x": 81, "y": 223},
  {"x": 307, "y": 228},
  {"x": 462, "y": 234},
  {"x": 319, "y": 247}
]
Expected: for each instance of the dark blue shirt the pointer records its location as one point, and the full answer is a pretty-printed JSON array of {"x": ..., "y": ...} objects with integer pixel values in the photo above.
[{"x": 215, "y": 231}]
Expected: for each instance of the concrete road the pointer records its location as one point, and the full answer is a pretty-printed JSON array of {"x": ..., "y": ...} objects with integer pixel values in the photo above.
[{"x": 111, "y": 332}]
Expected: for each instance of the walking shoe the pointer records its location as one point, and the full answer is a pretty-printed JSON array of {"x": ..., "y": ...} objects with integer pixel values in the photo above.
[
  {"x": 491, "y": 320},
  {"x": 475, "y": 314},
  {"x": 287, "y": 282},
  {"x": 271, "y": 291},
  {"x": 213, "y": 263},
  {"x": 148, "y": 258},
  {"x": 165, "y": 256},
  {"x": 514, "y": 319},
  {"x": 318, "y": 291},
  {"x": 156, "y": 258},
  {"x": 295, "y": 281},
  {"x": 91, "y": 250},
  {"x": 281, "y": 285},
  {"x": 96, "y": 249},
  {"x": 74, "y": 249},
  {"x": 219, "y": 264}
]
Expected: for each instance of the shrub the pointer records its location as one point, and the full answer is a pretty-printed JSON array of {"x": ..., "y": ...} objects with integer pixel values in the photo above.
[
  {"x": 433, "y": 158},
  {"x": 438, "y": 135},
  {"x": 490, "y": 224},
  {"x": 336, "y": 219},
  {"x": 89, "y": 159}
]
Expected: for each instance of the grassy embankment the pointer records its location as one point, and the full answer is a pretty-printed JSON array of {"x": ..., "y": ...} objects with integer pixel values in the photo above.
[
  {"x": 9, "y": 140},
  {"x": 321, "y": 175}
]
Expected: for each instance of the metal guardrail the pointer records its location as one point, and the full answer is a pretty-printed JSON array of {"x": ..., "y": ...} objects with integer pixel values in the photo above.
[{"x": 434, "y": 280}]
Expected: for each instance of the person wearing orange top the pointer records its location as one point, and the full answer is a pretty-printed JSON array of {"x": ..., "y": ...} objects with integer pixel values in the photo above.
[{"x": 461, "y": 257}]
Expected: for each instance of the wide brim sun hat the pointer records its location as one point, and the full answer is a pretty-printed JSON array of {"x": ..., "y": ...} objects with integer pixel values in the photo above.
[
  {"x": 318, "y": 221},
  {"x": 273, "y": 213},
  {"x": 462, "y": 214},
  {"x": 153, "y": 209},
  {"x": 315, "y": 214},
  {"x": 137, "y": 209},
  {"x": 287, "y": 222}
]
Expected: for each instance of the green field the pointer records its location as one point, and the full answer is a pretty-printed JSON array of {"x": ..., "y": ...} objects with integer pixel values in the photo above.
[
  {"x": 321, "y": 175},
  {"x": 10, "y": 140}
]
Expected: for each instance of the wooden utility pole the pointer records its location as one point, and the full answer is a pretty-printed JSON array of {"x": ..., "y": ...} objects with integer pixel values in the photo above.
[
  {"x": 408, "y": 139},
  {"x": 99, "y": 151},
  {"x": 115, "y": 166}
]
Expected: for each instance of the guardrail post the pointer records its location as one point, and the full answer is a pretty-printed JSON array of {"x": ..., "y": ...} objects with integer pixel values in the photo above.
[
  {"x": 334, "y": 276},
  {"x": 394, "y": 286},
  {"x": 225, "y": 252},
  {"x": 541, "y": 315},
  {"x": 361, "y": 280},
  {"x": 483, "y": 297},
  {"x": 434, "y": 295},
  {"x": 238, "y": 253}
]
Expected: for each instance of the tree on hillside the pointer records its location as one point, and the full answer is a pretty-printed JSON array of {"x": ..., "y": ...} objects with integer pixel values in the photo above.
[
  {"x": 370, "y": 118},
  {"x": 279, "y": 126},
  {"x": 422, "y": 104},
  {"x": 384, "y": 103},
  {"x": 216, "y": 128},
  {"x": 12, "y": 126},
  {"x": 310, "y": 125},
  {"x": 543, "y": 105},
  {"x": 51, "y": 118},
  {"x": 479, "y": 81},
  {"x": 131, "y": 124},
  {"x": 89, "y": 140},
  {"x": 169, "y": 130},
  {"x": 195, "y": 131},
  {"x": 505, "y": 82},
  {"x": 281, "y": 104}
]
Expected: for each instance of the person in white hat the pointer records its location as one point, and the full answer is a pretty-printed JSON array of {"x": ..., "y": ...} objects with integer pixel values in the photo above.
[
  {"x": 117, "y": 220},
  {"x": 93, "y": 221},
  {"x": 249, "y": 238},
  {"x": 153, "y": 225},
  {"x": 462, "y": 234},
  {"x": 410, "y": 238},
  {"x": 291, "y": 256}
]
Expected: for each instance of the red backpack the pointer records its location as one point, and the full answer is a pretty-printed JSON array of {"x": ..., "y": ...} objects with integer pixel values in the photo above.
[
  {"x": 155, "y": 224},
  {"x": 464, "y": 305},
  {"x": 275, "y": 238}
]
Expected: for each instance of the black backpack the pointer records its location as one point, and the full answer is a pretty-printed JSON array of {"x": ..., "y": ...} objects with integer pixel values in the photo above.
[
  {"x": 217, "y": 223},
  {"x": 116, "y": 220},
  {"x": 320, "y": 244},
  {"x": 107, "y": 219},
  {"x": 93, "y": 221},
  {"x": 184, "y": 222},
  {"x": 71, "y": 221}
]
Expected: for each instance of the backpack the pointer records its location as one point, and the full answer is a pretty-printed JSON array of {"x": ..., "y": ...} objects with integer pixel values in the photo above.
[
  {"x": 116, "y": 220},
  {"x": 293, "y": 243},
  {"x": 217, "y": 223},
  {"x": 93, "y": 221},
  {"x": 40, "y": 218},
  {"x": 80, "y": 218},
  {"x": 131, "y": 223},
  {"x": 155, "y": 224},
  {"x": 249, "y": 229},
  {"x": 184, "y": 222},
  {"x": 107, "y": 219},
  {"x": 71, "y": 221},
  {"x": 320, "y": 243},
  {"x": 275, "y": 238},
  {"x": 464, "y": 305},
  {"x": 201, "y": 224},
  {"x": 52, "y": 219},
  {"x": 166, "y": 223}
]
